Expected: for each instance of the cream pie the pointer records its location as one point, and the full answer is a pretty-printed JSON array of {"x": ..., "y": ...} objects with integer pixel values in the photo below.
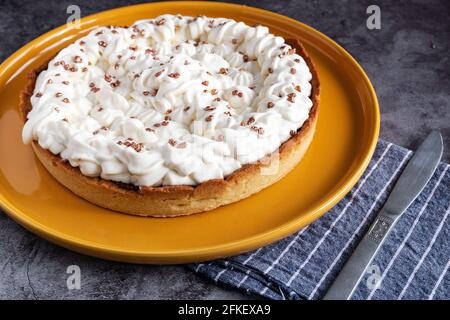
[{"x": 173, "y": 115}]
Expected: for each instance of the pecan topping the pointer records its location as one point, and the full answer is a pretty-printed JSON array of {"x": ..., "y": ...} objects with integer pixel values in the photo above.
[
  {"x": 291, "y": 97},
  {"x": 209, "y": 108},
  {"x": 130, "y": 143},
  {"x": 237, "y": 93},
  {"x": 161, "y": 22},
  {"x": 115, "y": 84}
]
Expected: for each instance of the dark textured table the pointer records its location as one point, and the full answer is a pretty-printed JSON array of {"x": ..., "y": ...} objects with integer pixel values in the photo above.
[{"x": 407, "y": 60}]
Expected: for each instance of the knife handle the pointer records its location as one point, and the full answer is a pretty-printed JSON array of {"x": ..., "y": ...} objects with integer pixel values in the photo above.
[{"x": 354, "y": 269}]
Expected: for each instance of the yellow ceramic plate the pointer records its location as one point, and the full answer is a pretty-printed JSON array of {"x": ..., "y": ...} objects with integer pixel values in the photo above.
[{"x": 345, "y": 139}]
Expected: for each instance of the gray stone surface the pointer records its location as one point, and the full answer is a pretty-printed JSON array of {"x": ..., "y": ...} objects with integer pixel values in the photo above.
[{"x": 407, "y": 60}]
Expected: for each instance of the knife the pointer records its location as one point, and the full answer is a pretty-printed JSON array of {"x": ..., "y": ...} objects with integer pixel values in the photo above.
[{"x": 411, "y": 182}]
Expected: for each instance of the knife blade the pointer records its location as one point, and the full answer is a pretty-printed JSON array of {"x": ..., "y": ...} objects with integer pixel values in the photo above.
[{"x": 417, "y": 173}]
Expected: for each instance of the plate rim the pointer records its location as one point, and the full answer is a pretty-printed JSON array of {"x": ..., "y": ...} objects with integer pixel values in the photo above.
[{"x": 211, "y": 251}]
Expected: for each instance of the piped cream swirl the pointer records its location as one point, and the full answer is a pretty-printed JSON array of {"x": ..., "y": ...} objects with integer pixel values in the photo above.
[{"x": 169, "y": 101}]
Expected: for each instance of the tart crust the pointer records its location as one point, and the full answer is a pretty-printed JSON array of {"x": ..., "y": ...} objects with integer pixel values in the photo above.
[{"x": 177, "y": 200}]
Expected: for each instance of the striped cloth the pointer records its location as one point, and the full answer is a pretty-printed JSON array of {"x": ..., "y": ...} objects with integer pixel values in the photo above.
[{"x": 413, "y": 262}]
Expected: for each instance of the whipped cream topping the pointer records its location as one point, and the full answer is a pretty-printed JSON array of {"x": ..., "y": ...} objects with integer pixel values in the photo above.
[{"x": 173, "y": 100}]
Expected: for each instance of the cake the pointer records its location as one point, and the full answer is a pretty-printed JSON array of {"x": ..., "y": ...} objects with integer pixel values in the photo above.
[{"x": 173, "y": 115}]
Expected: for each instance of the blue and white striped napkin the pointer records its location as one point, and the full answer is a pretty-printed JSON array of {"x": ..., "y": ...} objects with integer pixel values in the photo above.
[{"x": 413, "y": 263}]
